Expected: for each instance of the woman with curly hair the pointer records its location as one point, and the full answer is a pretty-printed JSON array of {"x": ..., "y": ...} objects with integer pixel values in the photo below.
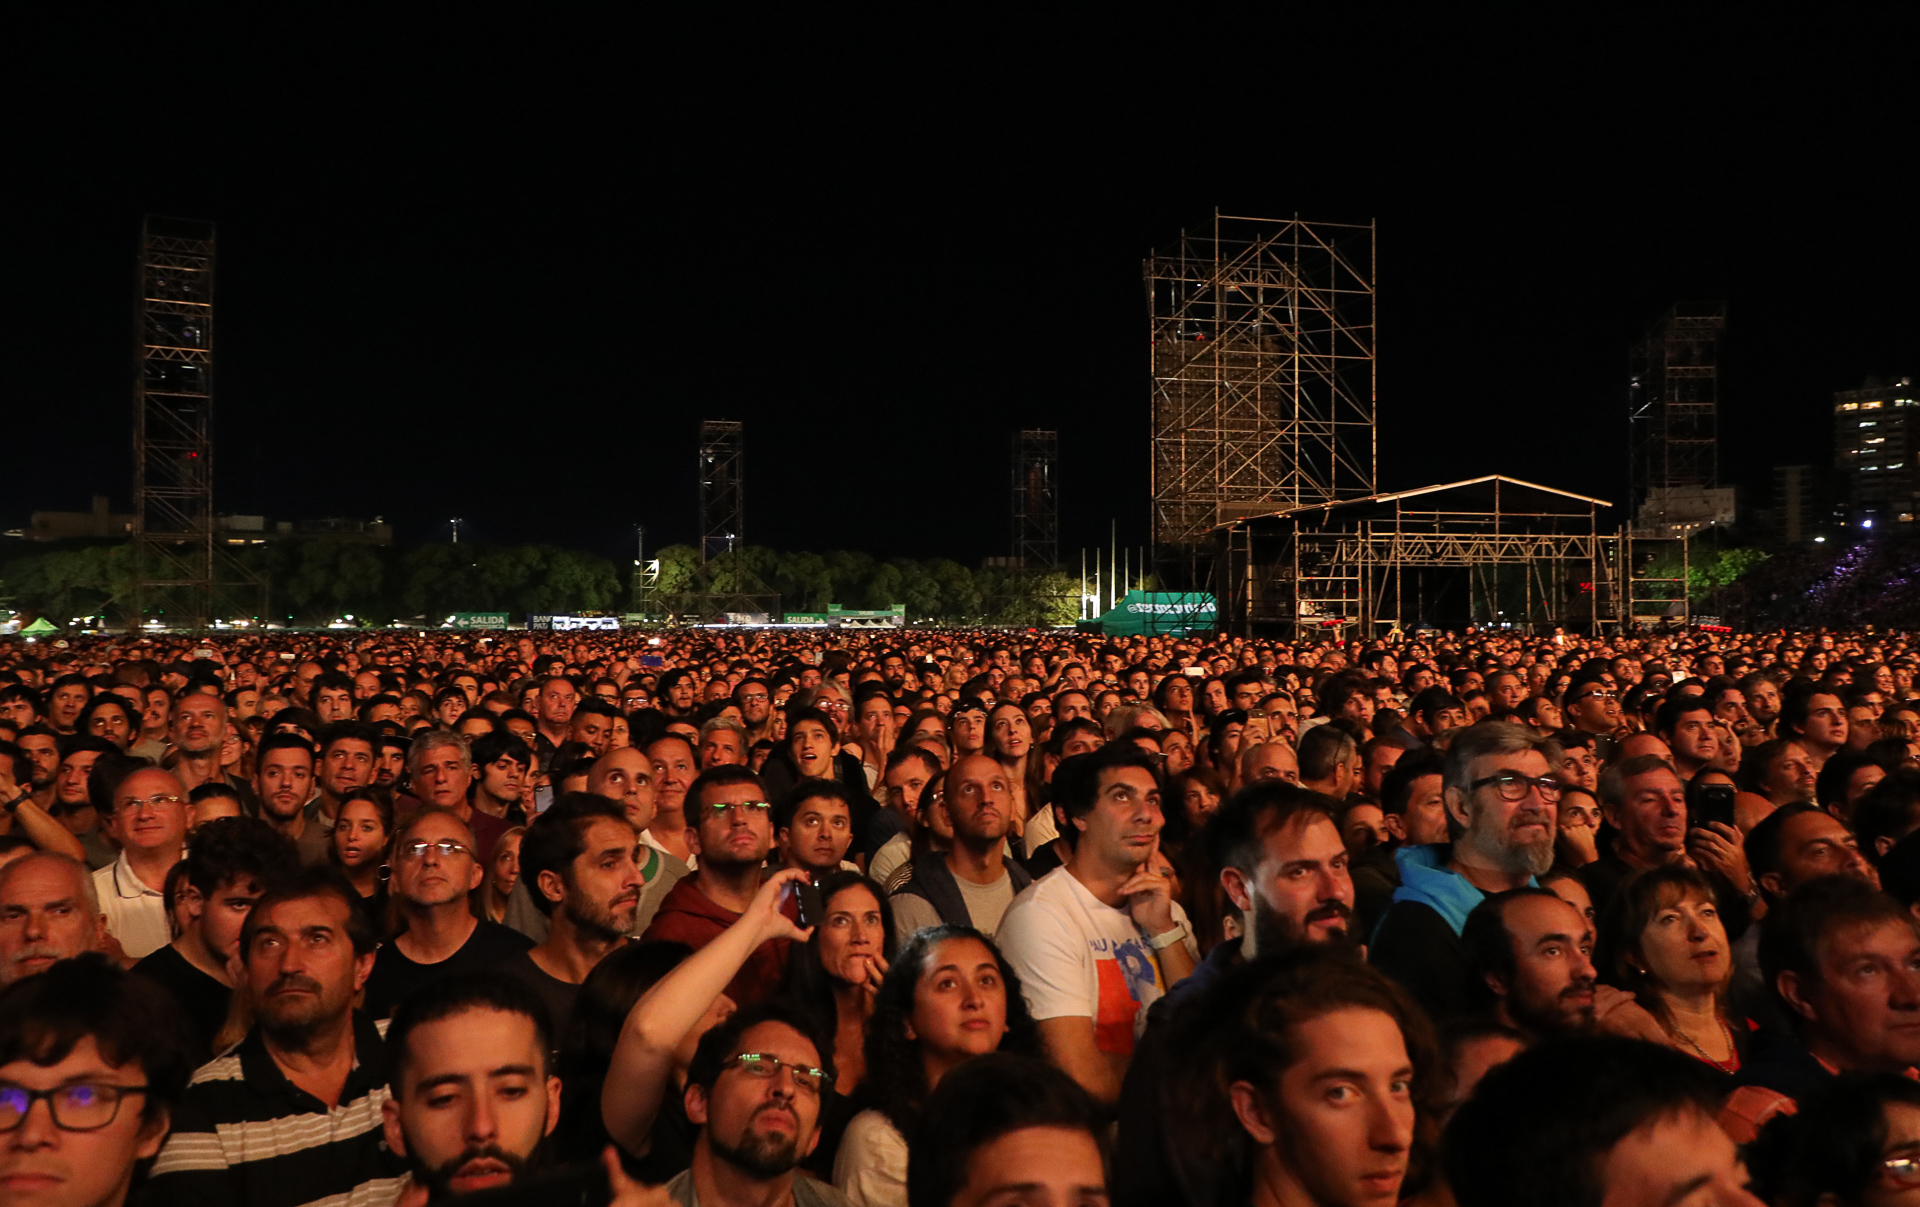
[{"x": 948, "y": 997}]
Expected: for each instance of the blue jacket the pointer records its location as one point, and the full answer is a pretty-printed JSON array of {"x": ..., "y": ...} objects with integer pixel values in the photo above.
[{"x": 1424, "y": 878}]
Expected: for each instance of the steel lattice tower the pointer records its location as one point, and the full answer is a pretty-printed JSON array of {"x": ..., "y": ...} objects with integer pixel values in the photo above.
[
  {"x": 1674, "y": 406},
  {"x": 722, "y": 500},
  {"x": 173, "y": 425},
  {"x": 1262, "y": 363},
  {"x": 1036, "y": 501}
]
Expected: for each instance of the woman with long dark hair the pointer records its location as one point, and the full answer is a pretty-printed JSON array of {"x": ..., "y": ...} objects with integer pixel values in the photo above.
[
  {"x": 837, "y": 973},
  {"x": 948, "y": 998}
]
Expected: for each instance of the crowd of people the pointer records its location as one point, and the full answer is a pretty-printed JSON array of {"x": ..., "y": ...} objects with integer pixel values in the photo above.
[{"x": 941, "y": 918}]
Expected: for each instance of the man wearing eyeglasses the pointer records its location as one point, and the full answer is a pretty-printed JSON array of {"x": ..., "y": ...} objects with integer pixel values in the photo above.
[
  {"x": 150, "y": 821},
  {"x": 1501, "y": 802},
  {"x": 1592, "y": 706},
  {"x": 730, "y": 829},
  {"x": 81, "y": 1105},
  {"x": 434, "y": 868},
  {"x": 754, "y": 1090}
]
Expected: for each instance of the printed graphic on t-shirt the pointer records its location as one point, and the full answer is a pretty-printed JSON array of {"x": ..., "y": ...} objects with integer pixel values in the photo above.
[{"x": 1127, "y": 972}]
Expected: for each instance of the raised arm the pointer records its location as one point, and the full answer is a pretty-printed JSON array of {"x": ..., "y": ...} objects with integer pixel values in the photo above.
[{"x": 641, "y": 1072}]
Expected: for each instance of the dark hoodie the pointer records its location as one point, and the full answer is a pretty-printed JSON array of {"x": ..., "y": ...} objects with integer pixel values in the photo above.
[{"x": 689, "y": 916}]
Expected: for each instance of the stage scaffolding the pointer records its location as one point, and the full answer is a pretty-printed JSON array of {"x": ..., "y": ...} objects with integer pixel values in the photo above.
[
  {"x": 1673, "y": 467},
  {"x": 1534, "y": 558},
  {"x": 1036, "y": 499},
  {"x": 1262, "y": 368}
]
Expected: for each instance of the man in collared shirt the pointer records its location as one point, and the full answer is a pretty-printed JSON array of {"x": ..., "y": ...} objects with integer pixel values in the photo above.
[
  {"x": 150, "y": 820},
  {"x": 293, "y": 1114}
]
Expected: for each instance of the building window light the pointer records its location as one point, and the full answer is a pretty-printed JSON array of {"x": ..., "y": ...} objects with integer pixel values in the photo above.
[
  {"x": 1849, "y": 406},
  {"x": 1876, "y": 440},
  {"x": 1869, "y": 406},
  {"x": 1869, "y": 423}
]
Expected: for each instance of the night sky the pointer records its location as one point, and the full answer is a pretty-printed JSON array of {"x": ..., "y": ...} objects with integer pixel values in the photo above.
[{"x": 501, "y": 272}]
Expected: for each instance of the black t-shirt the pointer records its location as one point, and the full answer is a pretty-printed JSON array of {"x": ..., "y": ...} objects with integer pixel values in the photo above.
[
  {"x": 559, "y": 995},
  {"x": 202, "y": 997},
  {"x": 489, "y": 947}
]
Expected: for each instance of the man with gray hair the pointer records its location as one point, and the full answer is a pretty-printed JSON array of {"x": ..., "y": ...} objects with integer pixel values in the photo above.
[
  {"x": 440, "y": 773},
  {"x": 1501, "y": 799},
  {"x": 49, "y": 912},
  {"x": 723, "y": 741}
]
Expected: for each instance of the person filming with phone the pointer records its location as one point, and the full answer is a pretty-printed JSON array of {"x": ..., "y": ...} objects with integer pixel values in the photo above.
[{"x": 1644, "y": 801}]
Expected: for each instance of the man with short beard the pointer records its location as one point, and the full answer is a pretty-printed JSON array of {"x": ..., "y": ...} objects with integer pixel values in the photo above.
[
  {"x": 578, "y": 859},
  {"x": 754, "y": 1090},
  {"x": 973, "y": 882},
  {"x": 434, "y": 868},
  {"x": 473, "y": 1097},
  {"x": 1533, "y": 955},
  {"x": 198, "y": 731},
  {"x": 1284, "y": 868},
  {"x": 283, "y": 781},
  {"x": 1500, "y": 800},
  {"x": 309, "y": 1079}
]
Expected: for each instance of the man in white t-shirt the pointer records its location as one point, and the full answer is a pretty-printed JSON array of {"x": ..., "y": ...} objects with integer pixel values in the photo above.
[{"x": 1099, "y": 939}]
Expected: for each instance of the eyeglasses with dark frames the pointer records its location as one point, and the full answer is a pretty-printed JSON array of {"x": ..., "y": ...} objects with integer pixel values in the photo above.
[{"x": 80, "y": 1106}]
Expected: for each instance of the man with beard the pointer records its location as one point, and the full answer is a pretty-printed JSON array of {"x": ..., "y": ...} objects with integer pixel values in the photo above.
[
  {"x": 1284, "y": 867},
  {"x": 283, "y": 780},
  {"x": 755, "y": 699},
  {"x": 473, "y": 1095},
  {"x": 346, "y": 763},
  {"x": 1533, "y": 956},
  {"x": 198, "y": 731},
  {"x": 578, "y": 860},
  {"x": 1097, "y": 940},
  {"x": 730, "y": 829},
  {"x": 434, "y": 868},
  {"x": 1501, "y": 800},
  {"x": 754, "y": 1089},
  {"x": 288, "y": 1116},
  {"x": 973, "y": 882}
]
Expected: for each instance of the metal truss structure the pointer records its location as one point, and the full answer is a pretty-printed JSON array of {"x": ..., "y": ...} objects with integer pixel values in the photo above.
[
  {"x": 173, "y": 541},
  {"x": 1036, "y": 499},
  {"x": 1262, "y": 367},
  {"x": 1674, "y": 460},
  {"x": 1533, "y": 557},
  {"x": 723, "y": 508}
]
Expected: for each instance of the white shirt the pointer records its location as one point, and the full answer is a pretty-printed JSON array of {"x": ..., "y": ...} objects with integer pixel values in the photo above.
[
  {"x": 136, "y": 914},
  {"x": 870, "y": 1167},
  {"x": 892, "y": 853},
  {"x": 1077, "y": 956}
]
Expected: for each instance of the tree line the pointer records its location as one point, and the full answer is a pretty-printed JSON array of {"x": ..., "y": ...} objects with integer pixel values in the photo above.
[{"x": 313, "y": 581}]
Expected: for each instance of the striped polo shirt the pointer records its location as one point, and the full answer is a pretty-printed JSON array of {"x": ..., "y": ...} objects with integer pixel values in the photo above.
[{"x": 246, "y": 1136}]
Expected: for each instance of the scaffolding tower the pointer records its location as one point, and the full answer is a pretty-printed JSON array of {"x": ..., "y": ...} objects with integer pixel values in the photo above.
[
  {"x": 1262, "y": 364},
  {"x": 1674, "y": 459},
  {"x": 722, "y": 501},
  {"x": 173, "y": 542},
  {"x": 1036, "y": 501}
]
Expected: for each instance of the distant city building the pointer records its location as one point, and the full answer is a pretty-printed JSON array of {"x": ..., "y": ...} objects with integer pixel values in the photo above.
[
  {"x": 1802, "y": 506},
  {"x": 103, "y": 524},
  {"x": 98, "y": 524},
  {"x": 1876, "y": 439}
]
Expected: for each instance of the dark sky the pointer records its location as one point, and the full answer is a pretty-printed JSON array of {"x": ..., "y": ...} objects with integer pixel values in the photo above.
[{"x": 501, "y": 271}]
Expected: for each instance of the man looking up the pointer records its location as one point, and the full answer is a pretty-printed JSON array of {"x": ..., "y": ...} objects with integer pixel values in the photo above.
[
  {"x": 1099, "y": 938},
  {"x": 1501, "y": 802},
  {"x": 308, "y": 1079},
  {"x": 1265, "y": 761},
  {"x": 232, "y": 862},
  {"x": 578, "y": 859},
  {"x": 199, "y": 730},
  {"x": 732, "y": 833},
  {"x": 434, "y": 868},
  {"x": 150, "y": 820},
  {"x": 48, "y": 912},
  {"x": 1533, "y": 953},
  {"x": 722, "y": 740},
  {"x": 283, "y": 780},
  {"x": 813, "y": 826},
  {"x": 471, "y": 1092},
  {"x": 1818, "y": 722},
  {"x": 972, "y": 883}
]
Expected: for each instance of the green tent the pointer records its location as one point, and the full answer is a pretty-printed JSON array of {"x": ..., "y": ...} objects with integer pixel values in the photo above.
[
  {"x": 40, "y": 627},
  {"x": 1162, "y": 613}
]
